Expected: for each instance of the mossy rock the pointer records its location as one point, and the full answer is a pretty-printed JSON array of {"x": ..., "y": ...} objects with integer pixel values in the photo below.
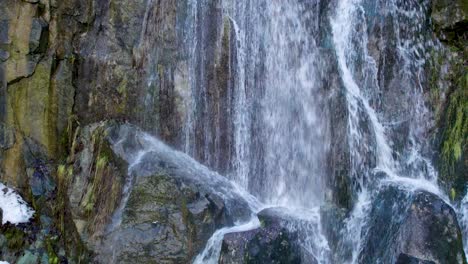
[
  {"x": 165, "y": 218},
  {"x": 453, "y": 162},
  {"x": 93, "y": 180},
  {"x": 450, "y": 18}
]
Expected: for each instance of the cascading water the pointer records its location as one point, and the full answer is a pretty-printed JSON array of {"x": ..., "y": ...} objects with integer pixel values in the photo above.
[
  {"x": 235, "y": 18},
  {"x": 212, "y": 250},
  {"x": 294, "y": 125},
  {"x": 275, "y": 89},
  {"x": 297, "y": 131},
  {"x": 278, "y": 105},
  {"x": 403, "y": 165},
  {"x": 287, "y": 96}
]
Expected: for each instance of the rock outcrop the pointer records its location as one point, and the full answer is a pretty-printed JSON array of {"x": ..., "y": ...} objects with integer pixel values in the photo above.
[
  {"x": 50, "y": 235},
  {"x": 450, "y": 19},
  {"x": 93, "y": 181},
  {"x": 166, "y": 219},
  {"x": 162, "y": 205},
  {"x": 417, "y": 224},
  {"x": 270, "y": 243},
  {"x": 449, "y": 94}
]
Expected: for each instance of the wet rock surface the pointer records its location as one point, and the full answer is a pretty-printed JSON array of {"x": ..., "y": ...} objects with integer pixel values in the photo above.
[
  {"x": 66, "y": 64},
  {"x": 406, "y": 259},
  {"x": 332, "y": 222},
  {"x": 449, "y": 84},
  {"x": 95, "y": 180},
  {"x": 155, "y": 157},
  {"x": 273, "y": 242},
  {"x": 170, "y": 209},
  {"x": 431, "y": 231},
  {"x": 43, "y": 239},
  {"x": 418, "y": 224},
  {"x": 450, "y": 18},
  {"x": 165, "y": 219}
]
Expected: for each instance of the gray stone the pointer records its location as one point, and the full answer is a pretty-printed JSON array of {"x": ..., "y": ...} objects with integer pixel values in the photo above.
[
  {"x": 28, "y": 258},
  {"x": 418, "y": 224},
  {"x": 97, "y": 181},
  {"x": 4, "y": 27},
  {"x": 270, "y": 243},
  {"x": 447, "y": 14},
  {"x": 38, "y": 37},
  {"x": 333, "y": 221},
  {"x": 7, "y": 137},
  {"x": 160, "y": 221},
  {"x": 4, "y": 55}
]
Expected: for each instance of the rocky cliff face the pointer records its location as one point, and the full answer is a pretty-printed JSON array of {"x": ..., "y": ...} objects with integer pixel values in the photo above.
[
  {"x": 67, "y": 65},
  {"x": 449, "y": 91}
]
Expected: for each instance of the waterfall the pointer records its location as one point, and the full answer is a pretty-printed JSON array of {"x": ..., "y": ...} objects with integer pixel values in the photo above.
[
  {"x": 241, "y": 116},
  {"x": 280, "y": 93},
  {"x": 294, "y": 125},
  {"x": 279, "y": 112},
  {"x": 279, "y": 143},
  {"x": 407, "y": 167}
]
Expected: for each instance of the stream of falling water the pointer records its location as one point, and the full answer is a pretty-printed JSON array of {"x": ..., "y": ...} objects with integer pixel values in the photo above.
[
  {"x": 241, "y": 133},
  {"x": 415, "y": 171},
  {"x": 294, "y": 129},
  {"x": 293, "y": 135}
]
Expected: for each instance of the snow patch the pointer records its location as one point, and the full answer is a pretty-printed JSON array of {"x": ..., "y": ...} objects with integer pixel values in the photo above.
[{"x": 14, "y": 208}]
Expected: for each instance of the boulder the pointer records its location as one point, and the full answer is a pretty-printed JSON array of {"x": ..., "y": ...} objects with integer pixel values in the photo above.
[
  {"x": 418, "y": 224},
  {"x": 165, "y": 218},
  {"x": 273, "y": 242},
  {"x": 155, "y": 157},
  {"x": 431, "y": 231},
  {"x": 145, "y": 201}
]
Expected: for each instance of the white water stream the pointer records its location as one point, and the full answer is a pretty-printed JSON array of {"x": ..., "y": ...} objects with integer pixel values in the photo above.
[
  {"x": 350, "y": 16},
  {"x": 276, "y": 40}
]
